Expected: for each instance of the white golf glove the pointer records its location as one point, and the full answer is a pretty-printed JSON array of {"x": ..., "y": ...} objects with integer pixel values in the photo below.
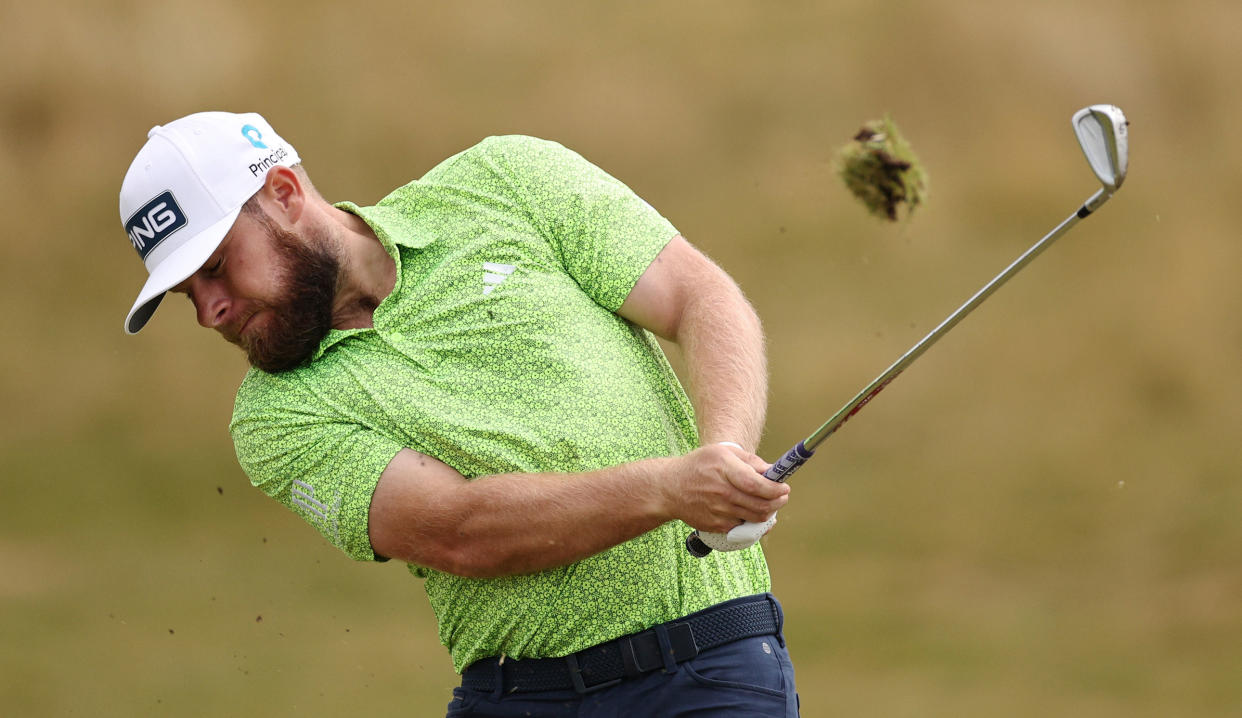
[
  {"x": 741, "y": 536},
  {"x": 744, "y": 535}
]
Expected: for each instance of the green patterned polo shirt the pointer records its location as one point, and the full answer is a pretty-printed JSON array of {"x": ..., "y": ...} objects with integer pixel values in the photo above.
[{"x": 499, "y": 351}]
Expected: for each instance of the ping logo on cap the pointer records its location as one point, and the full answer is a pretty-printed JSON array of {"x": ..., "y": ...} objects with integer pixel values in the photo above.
[{"x": 152, "y": 224}]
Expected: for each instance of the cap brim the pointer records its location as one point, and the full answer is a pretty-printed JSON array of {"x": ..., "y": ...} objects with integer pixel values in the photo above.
[{"x": 175, "y": 269}]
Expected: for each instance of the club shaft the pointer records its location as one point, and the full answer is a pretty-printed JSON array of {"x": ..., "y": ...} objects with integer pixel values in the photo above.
[
  {"x": 875, "y": 387},
  {"x": 801, "y": 452},
  {"x": 1101, "y": 131}
]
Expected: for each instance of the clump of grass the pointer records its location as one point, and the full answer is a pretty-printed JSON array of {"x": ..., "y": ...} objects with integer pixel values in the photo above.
[{"x": 880, "y": 169}]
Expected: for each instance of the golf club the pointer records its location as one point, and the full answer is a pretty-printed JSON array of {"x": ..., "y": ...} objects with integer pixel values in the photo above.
[{"x": 1101, "y": 131}]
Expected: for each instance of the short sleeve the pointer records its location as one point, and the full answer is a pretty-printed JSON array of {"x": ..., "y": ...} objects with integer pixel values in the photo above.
[
  {"x": 603, "y": 233},
  {"x": 321, "y": 466}
]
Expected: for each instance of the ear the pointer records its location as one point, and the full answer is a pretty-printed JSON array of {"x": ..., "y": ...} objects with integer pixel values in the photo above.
[{"x": 285, "y": 193}]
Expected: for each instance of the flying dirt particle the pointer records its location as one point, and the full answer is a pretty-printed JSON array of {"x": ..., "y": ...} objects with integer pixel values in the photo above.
[
  {"x": 170, "y": 631},
  {"x": 220, "y": 490},
  {"x": 258, "y": 619},
  {"x": 879, "y": 168}
]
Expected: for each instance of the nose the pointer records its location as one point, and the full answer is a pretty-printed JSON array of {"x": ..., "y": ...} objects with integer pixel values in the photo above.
[{"x": 212, "y": 304}]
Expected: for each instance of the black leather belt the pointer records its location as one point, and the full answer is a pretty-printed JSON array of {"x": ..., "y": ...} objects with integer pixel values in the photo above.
[{"x": 607, "y": 664}]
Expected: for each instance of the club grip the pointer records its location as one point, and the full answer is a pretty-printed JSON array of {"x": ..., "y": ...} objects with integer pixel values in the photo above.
[
  {"x": 780, "y": 471},
  {"x": 789, "y": 463}
]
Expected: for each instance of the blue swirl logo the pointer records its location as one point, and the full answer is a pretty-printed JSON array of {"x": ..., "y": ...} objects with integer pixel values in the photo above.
[{"x": 252, "y": 133}]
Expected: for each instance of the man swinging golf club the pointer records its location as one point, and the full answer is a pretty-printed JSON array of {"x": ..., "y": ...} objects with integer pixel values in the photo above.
[{"x": 466, "y": 377}]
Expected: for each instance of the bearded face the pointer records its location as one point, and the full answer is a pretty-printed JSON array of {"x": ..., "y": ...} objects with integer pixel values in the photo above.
[{"x": 285, "y": 329}]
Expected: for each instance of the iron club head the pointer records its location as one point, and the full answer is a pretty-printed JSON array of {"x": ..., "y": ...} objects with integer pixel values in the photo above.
[{"x": 1101, "y": 131}]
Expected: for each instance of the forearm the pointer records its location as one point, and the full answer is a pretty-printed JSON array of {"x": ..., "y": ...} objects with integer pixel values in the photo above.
[
  {"x": 685, "y": 298},
  {"x": 722, "y": 346},
  {"x": 548, "y": 520},
  {"x": 424, "y": 512}
]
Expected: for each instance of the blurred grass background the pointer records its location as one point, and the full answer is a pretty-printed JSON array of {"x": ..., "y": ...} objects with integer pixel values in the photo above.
[{"x": 1039, "y": 518}]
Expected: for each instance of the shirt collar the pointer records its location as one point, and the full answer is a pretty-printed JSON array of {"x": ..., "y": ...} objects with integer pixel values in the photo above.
[
  {"x": 394, "y": 229},
  {"x": 392, "y": 226}
]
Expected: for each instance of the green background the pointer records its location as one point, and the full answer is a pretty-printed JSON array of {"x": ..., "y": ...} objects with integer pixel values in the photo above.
[{"x": 1039, "y": 518}]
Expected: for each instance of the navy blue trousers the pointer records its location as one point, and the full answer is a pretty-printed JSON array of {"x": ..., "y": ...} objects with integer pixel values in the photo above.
[{"x": 748, "y": 678}]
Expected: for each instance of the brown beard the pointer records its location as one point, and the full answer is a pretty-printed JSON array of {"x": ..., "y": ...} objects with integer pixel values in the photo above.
[{"x": 309, "y": 269}]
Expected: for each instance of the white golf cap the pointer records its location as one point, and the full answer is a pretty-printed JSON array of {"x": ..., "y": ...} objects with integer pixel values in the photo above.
[{"x": 185, "y": 189}]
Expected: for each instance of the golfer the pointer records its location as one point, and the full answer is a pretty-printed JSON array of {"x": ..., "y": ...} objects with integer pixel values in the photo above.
[{"x": 466, "y": 377}]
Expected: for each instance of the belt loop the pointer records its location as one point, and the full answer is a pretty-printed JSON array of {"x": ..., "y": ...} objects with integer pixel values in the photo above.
[
  {"x": 629, "y": 659},
  {"x": 779, "y": 615},
  {"x": 499, "y": 690},
  {"x": 666, "y": 648}
]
